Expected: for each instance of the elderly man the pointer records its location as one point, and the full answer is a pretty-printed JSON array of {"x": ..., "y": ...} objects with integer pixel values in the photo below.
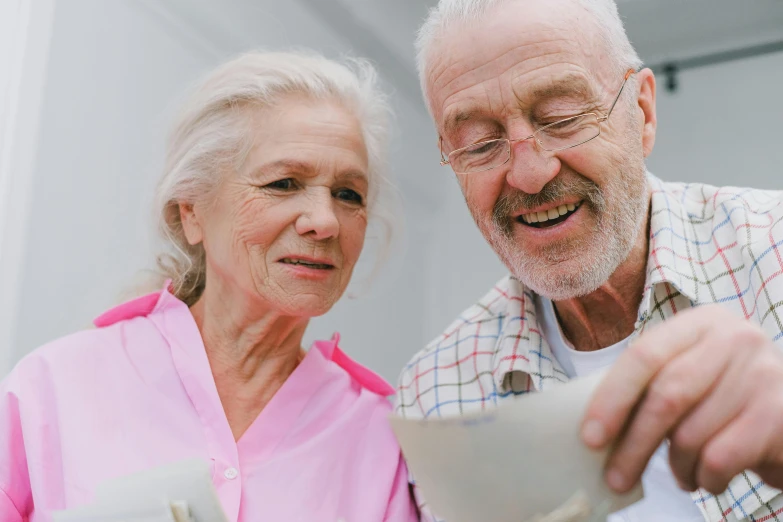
[{"x": 546, "y": 117}]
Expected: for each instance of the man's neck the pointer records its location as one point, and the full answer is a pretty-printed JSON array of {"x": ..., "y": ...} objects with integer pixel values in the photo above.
[{"x": 608, "y": 315}]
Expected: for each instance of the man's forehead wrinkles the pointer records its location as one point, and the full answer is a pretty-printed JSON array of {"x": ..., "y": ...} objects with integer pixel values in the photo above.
[
  {"x": 467, "y": 106},
  {"x": 500, "y": 68},
  {"x": 519, "y": 93},
  {"x": 497, "y": 65}
]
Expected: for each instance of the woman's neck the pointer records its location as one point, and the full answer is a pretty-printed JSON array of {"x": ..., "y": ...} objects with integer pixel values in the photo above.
[{"x": 251, "y": 353}]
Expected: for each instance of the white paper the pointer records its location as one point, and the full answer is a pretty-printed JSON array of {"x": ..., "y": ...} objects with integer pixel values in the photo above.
[
  {"x": 178, "y": 492},
  {"x": 518, "y": 462},
  {"x": 103, "y": 514}
]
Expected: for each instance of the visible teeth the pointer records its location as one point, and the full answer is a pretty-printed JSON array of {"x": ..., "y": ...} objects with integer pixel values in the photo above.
[
  {"x": 535, "y": 217},
  {"x": 553, "y": 213}
]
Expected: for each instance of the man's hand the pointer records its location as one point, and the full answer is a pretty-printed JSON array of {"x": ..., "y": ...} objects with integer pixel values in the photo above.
[{"x": 709, "y": 381}]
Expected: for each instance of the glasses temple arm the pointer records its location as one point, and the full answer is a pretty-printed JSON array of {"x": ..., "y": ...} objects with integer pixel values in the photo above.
[
  {"x": 616, "y": 98},
  {"x": 443, "y": 160}
]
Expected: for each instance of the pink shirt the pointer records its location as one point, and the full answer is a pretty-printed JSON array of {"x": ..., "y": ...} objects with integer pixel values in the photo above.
[{"x": 138, "y": 392}]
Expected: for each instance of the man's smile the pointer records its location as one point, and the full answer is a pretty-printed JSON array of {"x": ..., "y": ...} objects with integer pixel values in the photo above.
[{"x": 548, "y": 216}]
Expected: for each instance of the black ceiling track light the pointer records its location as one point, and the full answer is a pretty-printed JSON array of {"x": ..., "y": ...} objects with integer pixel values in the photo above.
[{"x": 670, "y": 69}]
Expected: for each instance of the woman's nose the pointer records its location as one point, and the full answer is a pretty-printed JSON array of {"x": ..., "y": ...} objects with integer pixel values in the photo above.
[{"x": 318, "y": 219}]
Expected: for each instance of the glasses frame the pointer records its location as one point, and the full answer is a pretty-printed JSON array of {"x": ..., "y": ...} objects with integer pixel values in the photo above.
[{"x": 445, "y": 159}]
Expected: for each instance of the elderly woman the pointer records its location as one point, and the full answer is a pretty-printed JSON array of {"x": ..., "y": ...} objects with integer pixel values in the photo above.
[{"x": 271, "y": 175}]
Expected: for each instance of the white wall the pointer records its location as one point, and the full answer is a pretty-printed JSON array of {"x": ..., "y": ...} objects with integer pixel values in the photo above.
[
  {"x": 25, "y": 28},
  {"x": 724, "y": 126},
  {"x": 112, "y": 72},
  {"x": 116, "y": 70}
]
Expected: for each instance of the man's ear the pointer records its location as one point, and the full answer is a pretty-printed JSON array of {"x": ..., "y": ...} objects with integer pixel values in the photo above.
[
  {"x": 646, "y": 85},
  {"x": 190, "y": 223}
]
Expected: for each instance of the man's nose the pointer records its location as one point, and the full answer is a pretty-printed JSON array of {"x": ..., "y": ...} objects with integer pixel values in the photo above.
[{"x": 532, "y": 167}]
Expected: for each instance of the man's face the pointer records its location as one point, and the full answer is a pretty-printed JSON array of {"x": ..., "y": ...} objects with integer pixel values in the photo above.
[{"x": 525, "y": 65}]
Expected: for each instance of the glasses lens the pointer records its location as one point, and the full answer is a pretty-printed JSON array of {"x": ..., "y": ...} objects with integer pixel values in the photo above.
[
  {"x": 569, "y": 133},
  {"x": 480, "y": 156}
]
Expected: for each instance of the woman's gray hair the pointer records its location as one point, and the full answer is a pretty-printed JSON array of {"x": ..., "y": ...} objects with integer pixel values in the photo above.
[
  {"x": 450, "y": 12},
  {"x": 213, "y": 136}
]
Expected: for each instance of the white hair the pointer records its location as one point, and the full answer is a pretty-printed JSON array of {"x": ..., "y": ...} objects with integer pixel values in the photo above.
[
  {"x": 450, "y": 12},
  {"x": 213, "y": 136}
]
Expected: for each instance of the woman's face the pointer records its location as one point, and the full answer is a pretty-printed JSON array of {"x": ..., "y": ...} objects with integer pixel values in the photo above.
[{"x": 287, "y": 229}]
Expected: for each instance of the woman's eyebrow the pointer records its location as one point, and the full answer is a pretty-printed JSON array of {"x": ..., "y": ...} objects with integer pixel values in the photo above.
[
  {"x": 286, "y": 165},
  {"x": 306, "y": 169},
  {"x": 352, "y": 175}
]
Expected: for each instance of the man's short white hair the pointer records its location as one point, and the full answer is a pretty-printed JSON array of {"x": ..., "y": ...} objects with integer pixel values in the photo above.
[{"x": 450, "y": 12}]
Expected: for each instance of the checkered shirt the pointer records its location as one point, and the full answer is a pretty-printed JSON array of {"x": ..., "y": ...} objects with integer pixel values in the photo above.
[{"x": 707, "y": 245}]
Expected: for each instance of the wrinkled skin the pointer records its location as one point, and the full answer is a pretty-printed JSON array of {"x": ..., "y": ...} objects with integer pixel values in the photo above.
[
  {"x": 710, "y": 382},
  {"x": 300, "y": 195}
]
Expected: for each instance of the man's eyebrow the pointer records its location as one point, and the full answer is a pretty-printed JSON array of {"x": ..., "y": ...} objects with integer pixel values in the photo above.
[
  {"x": 566, "y": 86},
  {"x": 572, "y": 85},
  {"x": 459, "y": 116}
]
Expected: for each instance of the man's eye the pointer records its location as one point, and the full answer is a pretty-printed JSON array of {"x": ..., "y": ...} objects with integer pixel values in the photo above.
[
  {"x": 485, "y": 147},
  {"x": 561, "y": 125},
  {"x": 281, "y": 184},
  {"x": 349, "y": 195}
]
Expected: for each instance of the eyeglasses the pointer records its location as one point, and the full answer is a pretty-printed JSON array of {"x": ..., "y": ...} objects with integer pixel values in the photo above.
[{"x": 560, "y": 135}]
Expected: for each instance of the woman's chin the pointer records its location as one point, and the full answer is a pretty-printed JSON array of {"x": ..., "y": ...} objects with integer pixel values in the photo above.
[{"x": 311, "y": 305}]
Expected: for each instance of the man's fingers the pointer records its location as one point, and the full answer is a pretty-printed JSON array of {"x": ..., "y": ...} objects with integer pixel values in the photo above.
[
  {"x": 624, "y": 384},
  {"x": 674, "y": 391},
  {"x": 752, "y": 439},
  {"x": 706, "y": 419},
  {"x": 739, "y": 446}
]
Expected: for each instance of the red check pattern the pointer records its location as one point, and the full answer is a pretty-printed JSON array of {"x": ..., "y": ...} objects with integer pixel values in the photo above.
[{"x": 707, "y": 245}]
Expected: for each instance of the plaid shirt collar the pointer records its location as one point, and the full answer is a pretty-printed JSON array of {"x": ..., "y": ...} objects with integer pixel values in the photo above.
[
  {"x": 668, "y": 216},
  {"x": 666, "y": 225}
]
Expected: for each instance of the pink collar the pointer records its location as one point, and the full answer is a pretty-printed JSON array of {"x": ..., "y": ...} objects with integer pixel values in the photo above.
[{"x": 146, "y": 305}]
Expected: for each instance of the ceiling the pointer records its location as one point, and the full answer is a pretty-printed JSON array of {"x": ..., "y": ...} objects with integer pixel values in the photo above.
[{"x": 662, "y": 31}]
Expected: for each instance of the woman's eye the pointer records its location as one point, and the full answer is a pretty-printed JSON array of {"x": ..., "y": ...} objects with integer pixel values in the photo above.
[
  {"x": 281, "y": 184},
  {"x": 349, "y": 195}
]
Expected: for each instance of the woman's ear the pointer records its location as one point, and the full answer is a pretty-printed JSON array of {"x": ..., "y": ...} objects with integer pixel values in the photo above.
[{"x": 190, "y": 223}]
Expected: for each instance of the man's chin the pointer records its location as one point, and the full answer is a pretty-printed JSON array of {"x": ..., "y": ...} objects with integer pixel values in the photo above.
[{"x": 566, "y": 277}]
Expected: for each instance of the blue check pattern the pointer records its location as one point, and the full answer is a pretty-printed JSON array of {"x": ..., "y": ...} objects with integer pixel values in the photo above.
[{"x": 707, "y": 245}]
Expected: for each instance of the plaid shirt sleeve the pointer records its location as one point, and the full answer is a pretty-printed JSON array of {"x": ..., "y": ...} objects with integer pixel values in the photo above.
[
  {"x": 720, "y": 245},
  {"x": 747, "y": 498}
]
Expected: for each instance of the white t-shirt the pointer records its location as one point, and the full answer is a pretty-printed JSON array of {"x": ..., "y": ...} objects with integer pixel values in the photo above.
[{"x": 663, "y": 499}]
